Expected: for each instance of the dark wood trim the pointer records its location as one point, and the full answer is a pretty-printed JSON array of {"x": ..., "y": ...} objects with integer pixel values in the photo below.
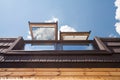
[
  {"x": 113, "y": 44},
  {"x": 88, "y": 35},
  {"x": 7, "y": 41},
  {"x": 59, "y": 41},
  {"x": 110, "y": 39},
  {"x": 14, "y": 44},
  {"x": 59, "y": 65},
  {"x": 56, "y": 32},
  {"x": 101, "y": 45},
  {"x": 58, "y": 52},
  {"x": 4, "y": 47},
  {"x": 7, "y": 38}
]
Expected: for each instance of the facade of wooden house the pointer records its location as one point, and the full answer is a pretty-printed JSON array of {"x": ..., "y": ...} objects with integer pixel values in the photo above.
[{"x": 73, "y": 56}]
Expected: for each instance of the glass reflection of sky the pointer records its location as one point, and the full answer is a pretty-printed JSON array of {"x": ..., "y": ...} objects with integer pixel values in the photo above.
[
  {"x": 38, "y": 47},
  {"x": 78, "y": 47},
  {"x": 52, "y": 47},
  {"x": 43, "y": 33}
]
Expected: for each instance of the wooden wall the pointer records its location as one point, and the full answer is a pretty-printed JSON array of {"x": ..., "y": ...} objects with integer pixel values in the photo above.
[{"x": 59, "y": 73}]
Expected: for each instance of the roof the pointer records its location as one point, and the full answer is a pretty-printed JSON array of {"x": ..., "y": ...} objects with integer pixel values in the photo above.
[{"x": 105, "y": 55}]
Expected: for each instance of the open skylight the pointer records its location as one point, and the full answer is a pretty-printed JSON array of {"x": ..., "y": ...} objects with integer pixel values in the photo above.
[
  {"x": 43, "y": 31},
  {"x": 74, "y": 35}
]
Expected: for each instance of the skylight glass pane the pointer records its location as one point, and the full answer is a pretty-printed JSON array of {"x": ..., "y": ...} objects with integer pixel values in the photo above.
[
  {"x": 78, "y": 47},
  {"x": 74, "y": 37},
  {"x": 39, "y": 47},
  {"x": 43, "y": 33}
]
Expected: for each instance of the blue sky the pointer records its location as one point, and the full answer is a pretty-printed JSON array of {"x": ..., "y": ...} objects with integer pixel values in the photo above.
[{"x": 81, "y": 15}]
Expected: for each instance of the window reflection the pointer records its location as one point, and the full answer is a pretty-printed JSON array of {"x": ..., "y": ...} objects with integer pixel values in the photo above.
[
  {"x": 43, "y": 33},
  {"x": 78, "y": 47},
  {"x": 38, "y": 47},
  {"x": 53, "y": 47}
]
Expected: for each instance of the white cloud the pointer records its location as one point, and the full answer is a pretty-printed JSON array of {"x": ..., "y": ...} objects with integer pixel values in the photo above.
[
  {"x": 64, "y": 28},
  {"x": 29, "y": 36},
  {"x": 58, "y": 35},
  {"x": 67, "y": 28},
  {"x": 44, "y": 33},
  {"x": 117, "y": 16},
  {"x": 112, "y": 35},
  {"x": 54, "y": 19},
  {"x": 117, "y": 3},
  {"x": 118, "y": 27}
]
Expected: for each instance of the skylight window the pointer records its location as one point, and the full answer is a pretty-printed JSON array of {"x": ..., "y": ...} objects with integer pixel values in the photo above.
[
  {"x": 78, "y": 47},
  {"x": 43, "y": 31},
  {"x": 38, "y": 47},
  {"x": 74, "y": 35}
]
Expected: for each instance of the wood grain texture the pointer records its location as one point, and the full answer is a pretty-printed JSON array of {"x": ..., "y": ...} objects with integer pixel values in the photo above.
[{"x": 60, "y": 73}]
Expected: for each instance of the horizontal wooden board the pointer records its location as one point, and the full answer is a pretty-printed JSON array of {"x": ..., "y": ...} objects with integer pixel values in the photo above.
[{"x": 60, "y": 73}]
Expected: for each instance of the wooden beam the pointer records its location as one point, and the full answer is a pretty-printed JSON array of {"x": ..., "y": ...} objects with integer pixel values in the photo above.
[
  {"x": 29, "y": 72},
  {"x": 60, "y": 41},
  {"x": 111, "y": 39},
  {"x": 57, "y": 52},
  {"x": 62, "y": 78},
  {"x": 60, "y": 69}
]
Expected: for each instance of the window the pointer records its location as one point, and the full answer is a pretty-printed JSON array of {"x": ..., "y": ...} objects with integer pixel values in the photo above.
[
  {"x": 43, "y": 31},
  {"x": 78, "y": 47},
  {"x": 74, "y": 35},
  {"x": 39, "y": 47}
]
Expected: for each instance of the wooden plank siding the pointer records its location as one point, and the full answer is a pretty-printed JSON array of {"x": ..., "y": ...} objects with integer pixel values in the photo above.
[{"x": 60, "y": 73}]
